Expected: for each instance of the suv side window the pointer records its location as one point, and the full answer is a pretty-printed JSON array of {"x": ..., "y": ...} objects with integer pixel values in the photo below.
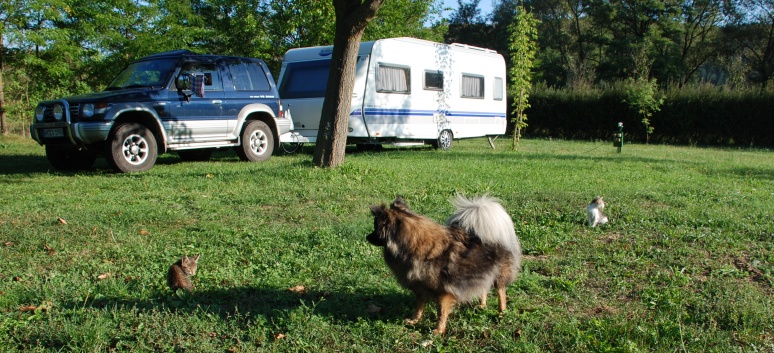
[
  {"x": 248, "y": 76},
  {"x": 210, "y": 72}
]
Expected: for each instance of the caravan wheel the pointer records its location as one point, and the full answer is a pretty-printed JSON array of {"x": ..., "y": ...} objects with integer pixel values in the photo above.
[{"x": 444, "y": 140}]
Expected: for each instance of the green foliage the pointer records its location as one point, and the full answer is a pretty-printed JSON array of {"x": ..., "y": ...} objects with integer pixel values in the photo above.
[
  {"x": 670, "y": 272},
  {"x": 293, "y": 24},
  {"x": 303, "y": 23},
  {"x": 642, "y": 96},
  {"x": 407, "y": 18},
  {"x": 523, "y": 48}
]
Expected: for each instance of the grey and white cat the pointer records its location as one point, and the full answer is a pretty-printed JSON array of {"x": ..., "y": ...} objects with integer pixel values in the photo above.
[
  {"x": 594, "y": 213},
  {"x": 179, "y": 274}
]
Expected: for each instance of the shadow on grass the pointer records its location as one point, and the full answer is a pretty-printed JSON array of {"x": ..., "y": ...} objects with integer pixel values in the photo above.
[
  {"x": 29, "y": 164},
  {"x": 24, "y": 164},
  {"x": 251, "y": 302}
]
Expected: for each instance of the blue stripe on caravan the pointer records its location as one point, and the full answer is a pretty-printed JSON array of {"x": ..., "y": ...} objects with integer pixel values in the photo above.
[{"x": 417, "y": 112}]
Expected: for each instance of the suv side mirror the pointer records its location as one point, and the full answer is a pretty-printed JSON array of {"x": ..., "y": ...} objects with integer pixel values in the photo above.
[{"x": 184, "y": 82}]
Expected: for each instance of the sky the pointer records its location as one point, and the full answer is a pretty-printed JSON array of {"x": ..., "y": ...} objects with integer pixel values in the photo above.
[{"x": 484, "y": 5}]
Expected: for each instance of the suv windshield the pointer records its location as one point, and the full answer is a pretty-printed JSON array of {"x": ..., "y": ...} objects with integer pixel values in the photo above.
[{"x": 149, "y": 73}]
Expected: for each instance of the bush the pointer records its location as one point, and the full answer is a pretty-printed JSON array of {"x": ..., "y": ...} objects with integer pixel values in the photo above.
[{"x": 697, "y": 115}]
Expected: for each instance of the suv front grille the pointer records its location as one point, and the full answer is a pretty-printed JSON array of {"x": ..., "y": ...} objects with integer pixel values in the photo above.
[{"x": 74, "y": 112}]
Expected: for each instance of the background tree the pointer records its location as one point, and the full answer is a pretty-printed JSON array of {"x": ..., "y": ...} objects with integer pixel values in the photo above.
[
  {"x": 467, "y": 26},
  {"x": 698, "y": 36},
  {"x": 408, "y": 18},
  {"x": 752, "y": 32},
  {"x": 523, "y": 44},
  {"x": 566, "y": 42},
  {"x": 40, "y": 52},
  {"x": 305, "y": 23},
  {"x": 297, "y": 23},
  {"x": 643, "y": 97},
  {"x": 352, "y": 16}
]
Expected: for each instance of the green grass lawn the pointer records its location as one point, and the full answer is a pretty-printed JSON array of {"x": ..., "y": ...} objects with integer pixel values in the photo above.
[{"x": 686, "y": 263}]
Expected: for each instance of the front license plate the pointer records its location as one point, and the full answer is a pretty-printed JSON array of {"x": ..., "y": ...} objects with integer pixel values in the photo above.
[{"x": 50, "y": 133}]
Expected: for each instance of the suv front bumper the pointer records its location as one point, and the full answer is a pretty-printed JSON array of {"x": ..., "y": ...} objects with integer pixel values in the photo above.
[{"x": 82, "y": 133}]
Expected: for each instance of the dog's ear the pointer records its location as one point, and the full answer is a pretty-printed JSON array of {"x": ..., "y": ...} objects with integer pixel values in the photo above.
[
  {"x": 399, "y": 204},
  {"x": 378, "y": 211}
]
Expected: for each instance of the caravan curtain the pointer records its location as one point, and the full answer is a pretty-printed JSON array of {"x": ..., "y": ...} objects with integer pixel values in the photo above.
[
  {"x": 392, "y": 79},
  {"x": 472, "y": 86}
]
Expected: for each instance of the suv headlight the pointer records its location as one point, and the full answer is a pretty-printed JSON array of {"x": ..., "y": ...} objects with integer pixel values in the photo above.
[
  {"x": 91, "y": 110},
  {"x": 58, "y": 112},
  {"x": 88, "y": 110},
  {"x": 39, "y": 113}
]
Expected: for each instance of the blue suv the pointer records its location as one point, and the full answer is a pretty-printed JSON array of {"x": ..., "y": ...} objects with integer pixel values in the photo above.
[{"x": 171, "y": 101}]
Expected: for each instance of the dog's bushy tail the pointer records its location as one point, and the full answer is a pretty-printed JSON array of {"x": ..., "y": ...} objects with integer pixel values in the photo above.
[{"x": 487, "y": 219}]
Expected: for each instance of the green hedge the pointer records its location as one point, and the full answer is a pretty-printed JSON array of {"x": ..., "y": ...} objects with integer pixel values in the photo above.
[{"x": 695, "y": 116}]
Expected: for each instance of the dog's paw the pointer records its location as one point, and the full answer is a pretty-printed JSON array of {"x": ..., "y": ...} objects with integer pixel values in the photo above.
[{"x": 411, "y": 321}]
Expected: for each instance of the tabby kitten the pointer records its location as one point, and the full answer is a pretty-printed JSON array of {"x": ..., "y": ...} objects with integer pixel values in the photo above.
[
  {"x": 179, "y": 274},
  {"x": 594, "y": 213}
]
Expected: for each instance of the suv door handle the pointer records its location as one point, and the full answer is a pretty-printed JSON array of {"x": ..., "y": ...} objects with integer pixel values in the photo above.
[{"x": 217, "y": 101}]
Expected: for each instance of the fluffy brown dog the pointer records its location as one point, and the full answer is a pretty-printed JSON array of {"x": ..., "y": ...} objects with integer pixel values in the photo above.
[{"x": 461, "y": 261}]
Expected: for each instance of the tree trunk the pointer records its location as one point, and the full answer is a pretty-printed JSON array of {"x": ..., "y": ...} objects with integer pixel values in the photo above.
[{"x": 352, "y": 16}]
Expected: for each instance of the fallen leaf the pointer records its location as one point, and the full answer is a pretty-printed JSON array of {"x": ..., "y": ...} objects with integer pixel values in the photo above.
[
  {"x": 426, "y": 343},
  {"x": 61, "y": 220},
  {"x": 17, "y": 279},
  {"x": 128, "y": 279},
  {"x": 373, "y": 309},
  {"x": 279, "y": 336},
  {"x": 300, "y": 289},
  {"x": 208, "y": 176},
  {"x": 26, "y": 308},
  {"x": 8, "y": 243},
  {"x": 143, "y": 232},
  {"x": 105, "y": 275},
  {"x": 50, "y": 250}
]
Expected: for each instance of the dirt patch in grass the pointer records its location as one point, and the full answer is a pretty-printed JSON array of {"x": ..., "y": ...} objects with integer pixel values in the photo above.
[{"x": 755, "y": 275}]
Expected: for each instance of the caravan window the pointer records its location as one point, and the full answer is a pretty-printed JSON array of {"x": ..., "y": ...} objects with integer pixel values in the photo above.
[
  {"x": 472, "y": 86},
  {"x": 498, "y": 88},
  {"x": 305, "y": 79},
  {"x": 434, "y": 80},
  {"x": 393, "y": 79}
]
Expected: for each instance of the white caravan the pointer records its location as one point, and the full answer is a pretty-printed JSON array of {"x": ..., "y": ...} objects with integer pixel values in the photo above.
[{"x": 407, "y": 91}]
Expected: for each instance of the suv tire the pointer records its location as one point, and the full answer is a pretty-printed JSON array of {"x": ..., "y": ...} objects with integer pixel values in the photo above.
[
  {"x": 132, "y": 148},
  {"x": 257, "y": 142}
]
